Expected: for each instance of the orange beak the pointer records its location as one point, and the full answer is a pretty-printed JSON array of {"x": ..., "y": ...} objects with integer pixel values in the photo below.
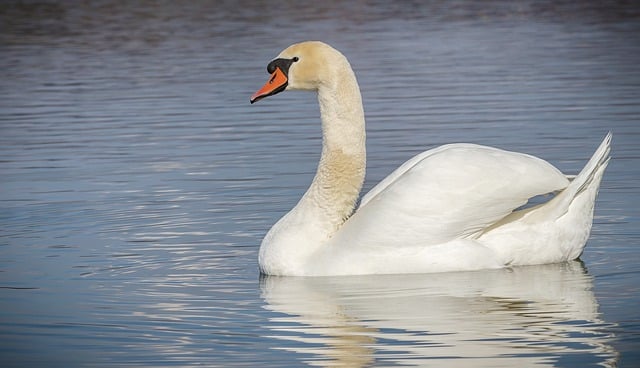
[{"x": 277, "y": 83}]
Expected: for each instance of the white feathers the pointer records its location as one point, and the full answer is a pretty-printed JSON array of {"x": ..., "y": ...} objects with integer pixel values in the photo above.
[{"x": 451, "y": 208}]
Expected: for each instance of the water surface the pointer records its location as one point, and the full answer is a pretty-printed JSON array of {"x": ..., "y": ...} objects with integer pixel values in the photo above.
[{"x": 136, "y": 182}]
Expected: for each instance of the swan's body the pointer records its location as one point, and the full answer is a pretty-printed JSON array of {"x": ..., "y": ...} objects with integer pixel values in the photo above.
[{"x": 451, "y": 208}]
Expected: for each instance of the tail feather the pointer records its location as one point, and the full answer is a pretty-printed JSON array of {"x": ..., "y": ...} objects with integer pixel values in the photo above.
[
  {"x": 600, "y": 158},
  {"x": 557, "y": 230},
  {"x": 590, "y": 175}
]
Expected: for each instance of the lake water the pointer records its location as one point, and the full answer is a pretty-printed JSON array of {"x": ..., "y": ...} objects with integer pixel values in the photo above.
[{"x": 136, "y": 181}]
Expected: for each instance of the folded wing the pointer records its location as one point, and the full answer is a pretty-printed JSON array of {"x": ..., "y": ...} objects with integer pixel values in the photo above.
[{"x": 451, "y": 192}]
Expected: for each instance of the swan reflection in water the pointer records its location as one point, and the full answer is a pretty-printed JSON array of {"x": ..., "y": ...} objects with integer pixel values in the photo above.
[{"x": 524, "y": 316}]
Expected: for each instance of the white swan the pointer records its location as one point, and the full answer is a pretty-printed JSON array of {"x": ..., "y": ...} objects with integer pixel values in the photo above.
[{"x": 451, "y": 208}]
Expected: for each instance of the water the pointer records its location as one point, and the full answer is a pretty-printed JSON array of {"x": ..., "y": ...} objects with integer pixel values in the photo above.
[{"x": 137, "y": 182}]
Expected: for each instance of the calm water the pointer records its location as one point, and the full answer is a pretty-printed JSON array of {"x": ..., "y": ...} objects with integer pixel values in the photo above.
[{"x": 136, "y": 182}]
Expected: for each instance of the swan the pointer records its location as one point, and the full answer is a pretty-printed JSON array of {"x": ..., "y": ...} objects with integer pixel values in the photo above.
[{"x": 457, "y": 207}]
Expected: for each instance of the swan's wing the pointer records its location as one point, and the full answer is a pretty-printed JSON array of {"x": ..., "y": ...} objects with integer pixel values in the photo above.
[
  {"x": 454, "y": 191},
  {"x": 401, "y": 170}
]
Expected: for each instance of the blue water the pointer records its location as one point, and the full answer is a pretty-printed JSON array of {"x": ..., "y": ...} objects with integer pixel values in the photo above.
[{"x": 136, "y": 182}]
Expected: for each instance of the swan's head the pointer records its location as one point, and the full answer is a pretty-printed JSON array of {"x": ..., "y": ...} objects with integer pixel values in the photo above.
[{"x": 302, "y": 66}]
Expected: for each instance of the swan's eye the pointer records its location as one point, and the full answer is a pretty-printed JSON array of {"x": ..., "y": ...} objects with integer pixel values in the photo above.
[{"x": 283, "y": 64}]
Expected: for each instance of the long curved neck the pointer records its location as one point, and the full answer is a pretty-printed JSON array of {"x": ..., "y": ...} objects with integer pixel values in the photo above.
[
  {"x": 334, "y": 191},
  {"x": 332, "y": 196}
]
